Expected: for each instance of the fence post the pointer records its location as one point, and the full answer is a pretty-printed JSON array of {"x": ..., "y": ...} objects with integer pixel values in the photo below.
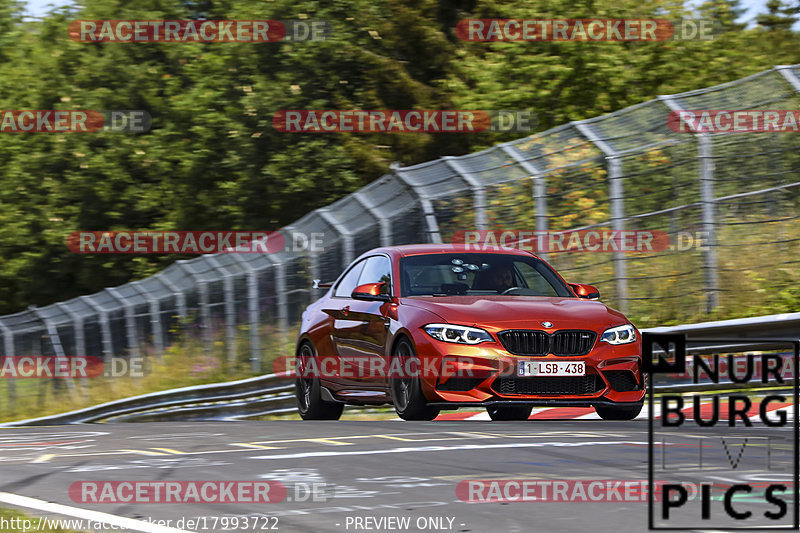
[
  {"x": 77, "y": 326},
  {"x": 704, "y": 147},
  {"x": 478, "y": 191},
  {"x": 154, "y": 308},
  {"x": 347, "y": 236},
  {"x": 180, "y": 298},
  {"x": 105, "y": 328},
  {"x": 427, "y": 207},
  {"x": 616, "y": 199},
  {"x": 539, "y": 190},
  {"x": 205, "y": 315},
  {"x": 8, "y": 349},
  {"x": 230, "y": 314},
  {"x": 385, "y": 223},
  {"x": 280, "y": 291},
  {"x": 55, "y": 342},
  {"x": 788, "y": 73},
  {"x": 130, "y": 323},
  {"x": 708, "y": 205},
  {"x": 252, "y": 314}
]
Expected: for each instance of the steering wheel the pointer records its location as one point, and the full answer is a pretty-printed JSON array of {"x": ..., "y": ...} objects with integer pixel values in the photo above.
[{"x": 508, "y": 290}]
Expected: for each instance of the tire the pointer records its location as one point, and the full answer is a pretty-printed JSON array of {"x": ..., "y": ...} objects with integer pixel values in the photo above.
[
  {"x": 509, "y": 412},
  {"x": 308, "y": 392},
  {"x": 621, "y": 412},
  {"x": 407, "y": 397}
]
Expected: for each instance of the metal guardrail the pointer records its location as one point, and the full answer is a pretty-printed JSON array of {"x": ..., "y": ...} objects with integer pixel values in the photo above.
[
  {"x": 274, "y": 393},
  {"x": 782, "y": 326},
  {"x": 269, "y": 394}
]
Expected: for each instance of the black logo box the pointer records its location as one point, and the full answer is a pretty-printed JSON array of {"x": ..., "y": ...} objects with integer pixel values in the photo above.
[{"x": 676, "y": 343}]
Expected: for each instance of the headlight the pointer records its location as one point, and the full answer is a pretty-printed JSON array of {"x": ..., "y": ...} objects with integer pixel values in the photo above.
[
  {"x": 619, "y": 335},
  {"x": 457, "y": 334}
]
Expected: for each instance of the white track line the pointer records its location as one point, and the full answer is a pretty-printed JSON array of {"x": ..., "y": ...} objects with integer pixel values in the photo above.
[
  {"x": 85, "y": 514},
  {"x": 446, "y": 448}
]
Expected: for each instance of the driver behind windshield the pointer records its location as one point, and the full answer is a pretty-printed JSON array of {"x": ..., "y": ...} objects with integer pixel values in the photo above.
[{"x": 500, "y": 278}]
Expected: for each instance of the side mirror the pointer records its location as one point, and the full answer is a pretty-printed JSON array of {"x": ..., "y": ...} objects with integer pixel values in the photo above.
[
  {"x": 370, "y": 292},
  {"x": 588, "y": 292},
  {"x": 318, "y": 285}
]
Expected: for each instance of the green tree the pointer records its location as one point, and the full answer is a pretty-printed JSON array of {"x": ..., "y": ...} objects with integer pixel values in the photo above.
[{"x": 780, "y": 15}]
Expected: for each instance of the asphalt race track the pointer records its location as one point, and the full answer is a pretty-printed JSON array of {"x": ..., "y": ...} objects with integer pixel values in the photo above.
[{"x": 403, "y": 470}]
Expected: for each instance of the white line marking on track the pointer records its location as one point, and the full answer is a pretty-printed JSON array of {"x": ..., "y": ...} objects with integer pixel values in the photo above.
[
  {"x": 446, "y": 448},
  {"x": 85, "y": 514}
]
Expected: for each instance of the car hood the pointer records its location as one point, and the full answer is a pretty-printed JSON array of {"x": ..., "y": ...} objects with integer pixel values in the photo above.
[{"x": 520, "y": 312}]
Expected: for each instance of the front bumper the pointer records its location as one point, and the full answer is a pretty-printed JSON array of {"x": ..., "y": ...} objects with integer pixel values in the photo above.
[
  {"x": 485, "y": 374},
  {"x": 552, "y": 402}
]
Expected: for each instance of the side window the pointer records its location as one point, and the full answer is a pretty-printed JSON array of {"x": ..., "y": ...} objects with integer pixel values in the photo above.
[
  {"x": 377, "y": 269},
  {"x": 350, "y": 281},
  {"x": 535, "y": 280}
]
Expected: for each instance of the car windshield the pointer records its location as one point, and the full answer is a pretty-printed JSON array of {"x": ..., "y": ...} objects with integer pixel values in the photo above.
[{"x": 471, "y": 274}]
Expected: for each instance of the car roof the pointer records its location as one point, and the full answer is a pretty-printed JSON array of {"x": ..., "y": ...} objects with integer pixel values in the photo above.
[{"x": 422, "y": 249}]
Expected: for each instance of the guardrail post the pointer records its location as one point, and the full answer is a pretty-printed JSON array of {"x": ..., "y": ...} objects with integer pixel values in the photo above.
[
  {"x": 539, "y": 190},
  {"x": 616, "y": 199}
]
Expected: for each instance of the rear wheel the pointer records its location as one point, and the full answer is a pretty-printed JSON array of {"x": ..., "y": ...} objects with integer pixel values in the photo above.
[
  {"x": 509, "y": 412},
  {"x": 407, "y": 396},
  {"x": 308, "y": 390},
  {"x": 619, "y": 412}
]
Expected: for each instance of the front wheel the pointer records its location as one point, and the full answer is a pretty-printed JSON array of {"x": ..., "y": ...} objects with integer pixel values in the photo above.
[
  {"x": 308, "y": 390},
  {"x": 619, "y": 412},
  {"x": 407, "y": 397},
  {"x": 509, "y": 412}
]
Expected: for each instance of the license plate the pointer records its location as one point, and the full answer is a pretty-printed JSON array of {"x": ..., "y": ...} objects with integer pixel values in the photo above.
[{"x": 551, "y": 368}]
